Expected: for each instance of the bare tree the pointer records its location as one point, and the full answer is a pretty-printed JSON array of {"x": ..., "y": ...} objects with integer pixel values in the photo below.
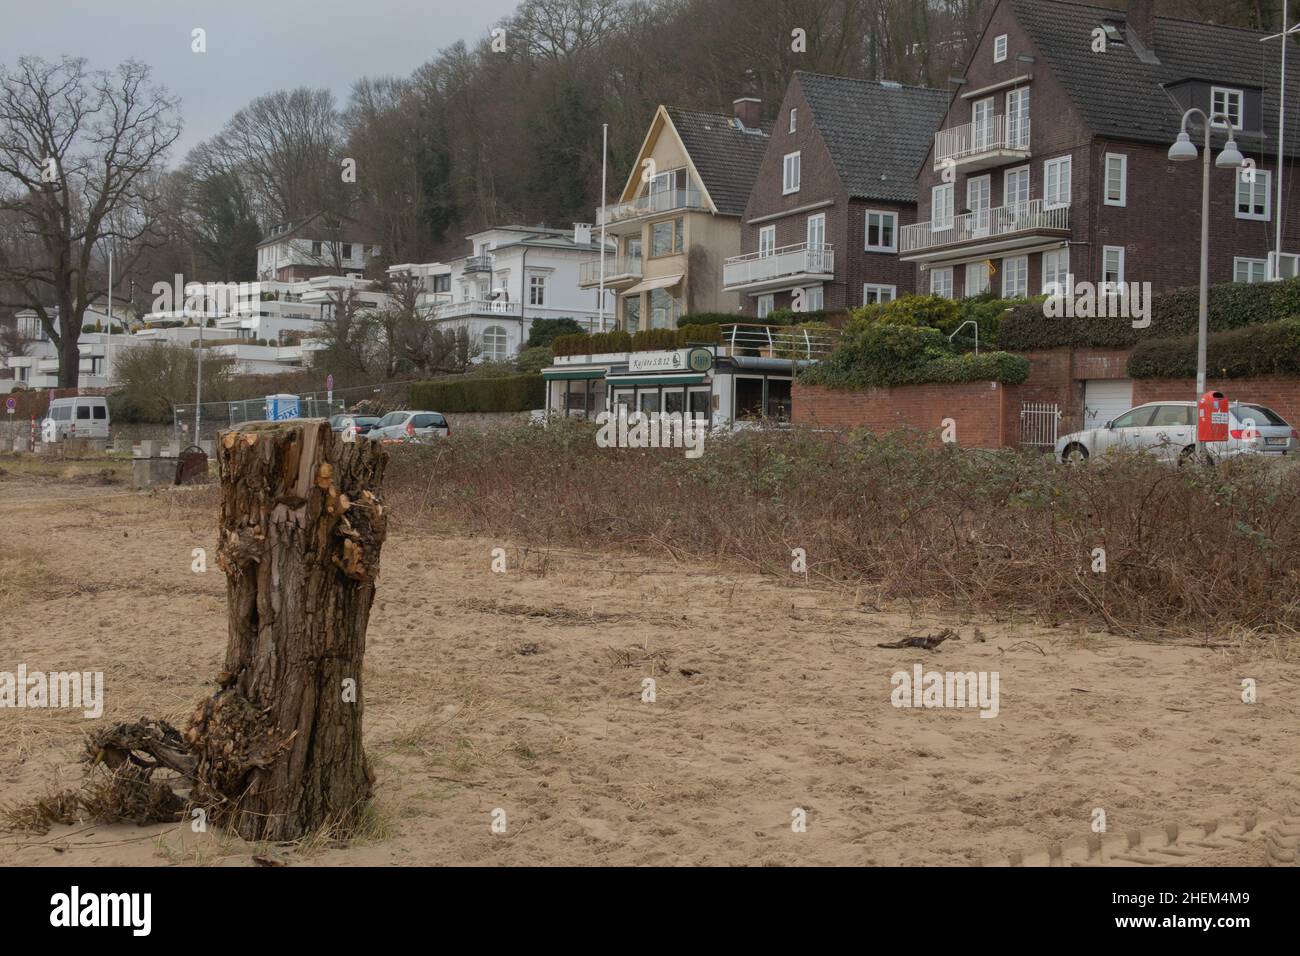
[{"x": 77, "y": 148}]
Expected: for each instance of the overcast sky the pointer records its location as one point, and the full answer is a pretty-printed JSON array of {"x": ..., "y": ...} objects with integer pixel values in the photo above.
[{"x": 254, "y": 46}]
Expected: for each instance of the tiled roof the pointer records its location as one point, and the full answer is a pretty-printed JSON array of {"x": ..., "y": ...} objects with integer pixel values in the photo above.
[
  {"x": 726, "y": 156},
  {"x": 877, "y": 132},
  {"x": 1120, "y": 93}
]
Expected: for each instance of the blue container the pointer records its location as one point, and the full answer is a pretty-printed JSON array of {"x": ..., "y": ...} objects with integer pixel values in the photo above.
[{"x": 280, "y": 407}]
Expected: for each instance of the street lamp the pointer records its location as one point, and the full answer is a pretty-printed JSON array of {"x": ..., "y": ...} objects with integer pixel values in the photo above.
[{"x": 1184, "y": 150}]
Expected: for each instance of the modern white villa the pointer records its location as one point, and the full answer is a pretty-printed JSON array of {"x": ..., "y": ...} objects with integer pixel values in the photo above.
[{"x": 512, "y": 276}]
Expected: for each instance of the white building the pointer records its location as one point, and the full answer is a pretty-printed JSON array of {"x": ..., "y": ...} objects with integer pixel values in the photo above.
[
  {"x": 39, "y": 368},
  {"x": 513, "y": 276},
  {"x": 311, "y": 247}
]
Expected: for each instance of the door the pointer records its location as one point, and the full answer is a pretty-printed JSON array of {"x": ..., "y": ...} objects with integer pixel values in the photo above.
[
  {"x": 981, "y": 124},
  {"x": 978, "y": 196},
  {"x": 1105, "y": 400},
  {"x": 1171, "y": 430},
  {"x": 1129, "y": 430},
  {"x": 816, "y": 232}
]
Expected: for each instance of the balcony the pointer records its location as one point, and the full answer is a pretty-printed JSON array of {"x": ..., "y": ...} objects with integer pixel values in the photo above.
[
  {"x": 989, "y": 231},
  {"x": 975, "y": 146},
  {"x": 776, "y": 341},
  {"x": 788, "y": 265},
  {"x": 481, "y": 263},
  {"x": 656, "y": 204},
  {"x": 497, "y": 309},
  {"x": 619, "y": 271}
]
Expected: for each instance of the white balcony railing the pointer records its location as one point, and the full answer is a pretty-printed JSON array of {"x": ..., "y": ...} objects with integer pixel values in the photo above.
[
  {"x": 669, "y": 200},
  {"x": 777, "y": 341},
  {"x": 787, "y": 261},
  {"x": 971, "y": 140},
  {"x": 984, "y": 224},
  {"x": 616, "y": 267}
]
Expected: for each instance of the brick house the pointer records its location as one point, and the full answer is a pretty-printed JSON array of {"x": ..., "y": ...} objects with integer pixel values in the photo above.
[
  {"x": 678, "y": 216},
  {"x": 835, "y": 186},
  {"x": 316, "y": 246},
  {"x": 1052, "y": 158}
]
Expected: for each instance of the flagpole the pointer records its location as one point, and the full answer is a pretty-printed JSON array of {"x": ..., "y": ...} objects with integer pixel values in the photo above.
[
  {"x": 1276, "y": 270},
  {"x": 604, "y": 166},
  {"x": 108, "y": 348}
]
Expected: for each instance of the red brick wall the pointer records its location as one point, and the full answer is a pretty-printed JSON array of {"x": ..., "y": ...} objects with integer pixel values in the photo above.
[
  {"x": 1282, "y": 394},
  {"x": 986, "y": 414}
]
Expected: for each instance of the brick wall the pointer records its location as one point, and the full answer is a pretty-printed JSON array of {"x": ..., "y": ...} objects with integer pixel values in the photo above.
[
  {"x": 1280, "y": 393},
  {"x": 985, "y": 414}
]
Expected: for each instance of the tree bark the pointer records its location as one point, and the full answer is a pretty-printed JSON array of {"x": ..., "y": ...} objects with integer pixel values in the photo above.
[{"x": 279, "y": 745}]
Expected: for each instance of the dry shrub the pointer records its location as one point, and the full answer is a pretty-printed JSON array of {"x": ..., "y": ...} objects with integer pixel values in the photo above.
[{"x": 1192, "y": 549}]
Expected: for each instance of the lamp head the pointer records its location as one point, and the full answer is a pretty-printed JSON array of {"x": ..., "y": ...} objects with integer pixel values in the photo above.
[
  {"x": 1230, "y": 156},
  {"x": 1183, "y": 149}
]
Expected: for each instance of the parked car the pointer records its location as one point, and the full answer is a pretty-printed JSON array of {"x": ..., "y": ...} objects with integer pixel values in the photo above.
[
  {"x": 410, "y": 426},
  {"x": 1168, "y": 431},
  {"x": 362, "y": 423},
  {"x": 81, "y": 416}
]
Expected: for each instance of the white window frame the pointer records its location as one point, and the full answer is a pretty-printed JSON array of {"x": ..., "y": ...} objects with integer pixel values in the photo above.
[
  {"x": 1011, "y": 119},
  {"x": 1263, "y": 177},
  {"x": 1021, "y": 290},
  {"x": 893, "y": 230},
  {"x": 976, "y": 268},
  {"x": 790, "y": 173},
  {"x": 1250, "y": 265},
  {"x": 1029, "y": 184},
  {"x": 981, "y": 122},
  {"x": 946, "y": 223},
  {"x": 495, "y": 332},
  {"x": 1048, "y": 280},
  {"x": 766, "y": 241},
  {"x": 1229, "y": 92},
  {"x": 1063, "y": 166},
  {"x": 814, "y": 298},
  {"x": 1000, "y": 48},
  {"x": 794, "y": 119},
  {"x": 764, "y": 305},
  {"x": 936, "y": 274},
  {"x": 883, "y": 293},
  {"x": 1119, "y": 281},
  {"x": 537, "y": 290},
  {"x": 808, "y": 234},
  {"x": 1123, "y": 179}
]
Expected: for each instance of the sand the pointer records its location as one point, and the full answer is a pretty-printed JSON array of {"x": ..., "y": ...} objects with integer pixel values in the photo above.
[{"x": 522, "y": 692}]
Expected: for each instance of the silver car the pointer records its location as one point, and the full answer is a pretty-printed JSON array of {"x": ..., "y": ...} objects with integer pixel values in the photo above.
[
  {"x": 410, "y": 426},
  {"x": 1168, "y": 431}
]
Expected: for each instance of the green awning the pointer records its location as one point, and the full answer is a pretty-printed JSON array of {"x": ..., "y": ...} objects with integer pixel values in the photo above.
[
  {"x": 619, "y": 380},
  {"x": 552, "y": 375}
]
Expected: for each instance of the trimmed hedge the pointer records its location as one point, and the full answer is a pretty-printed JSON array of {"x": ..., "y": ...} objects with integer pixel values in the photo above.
[
  {"x": 1232, "y": 305},
  {"x": 884, "y": 354},
  {"x": 1271, "y": 348},
  {"x": 514, "y": 393},
  {"x": 647, "y": 340}
]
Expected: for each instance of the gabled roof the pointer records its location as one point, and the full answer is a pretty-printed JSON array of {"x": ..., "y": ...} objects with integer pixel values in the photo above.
[
  {"x": 1123, "y": 92},
  {"x": 300, "y": 228},
  {"x": 877, "y": 132},
  {"x": 725, "y": 154}
]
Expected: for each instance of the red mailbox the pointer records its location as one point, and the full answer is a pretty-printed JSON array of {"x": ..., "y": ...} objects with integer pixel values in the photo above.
[{"x": 1212, "y": 417}]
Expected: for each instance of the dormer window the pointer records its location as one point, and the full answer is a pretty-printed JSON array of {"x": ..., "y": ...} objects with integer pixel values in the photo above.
[
  {"x": 1114, "y": 32},
  {"x": 999, "y": 48},
  {"x": 1228, "y": 102}
]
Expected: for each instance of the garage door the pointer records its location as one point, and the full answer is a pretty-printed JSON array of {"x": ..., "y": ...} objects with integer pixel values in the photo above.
[{"x": 1105, "y": 399}]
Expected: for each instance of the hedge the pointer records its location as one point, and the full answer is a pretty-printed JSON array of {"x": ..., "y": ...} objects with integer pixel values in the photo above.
[
  {"x": 1231, "y": 305},
  {"x": 1270, "y": 348},
  {"x": 647, "y": 340},
  {"x": 514, "y": 393},
  {"x": 884, "y": 354}
]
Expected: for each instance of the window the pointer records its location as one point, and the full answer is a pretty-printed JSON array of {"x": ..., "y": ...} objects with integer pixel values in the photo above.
[
  {"x": 978, "y": 195},
  {"x": 1015, "y": 186},
  {"x": 537, "y": 290},
  {"x": 1249, "y": 270},
  {"x": 347, "y": 250},
  {"x": 981, "y": 124},
  {"x": 442, "y": 283},
  {"x": 1228, "y": 102},
  {"x": 1015, "y": 277},
  {"x": 374, "y": 252},
  {"x": 766, "y": 241},
  {"x": 977, "y": 278},
  {"x": 814, "y": 299},
  {"x": 1018, "y": 119},
  {"x": 1056, "y": 182},
  {"x": 1172, "y": 415},
  {"x": 1138, "y": 418},
  {"x": 663, "y": 310},
  {"x": 1112, "y": 266},
  {"x": 941, "y": 282},
  {"x": 632, "y": 313},
  {"x": 817, "y": 232},
  {"x": 765, "y": 305},
  {"x": 1056, "y": 272},
  {"x": 790, "y": 174},
  {"x": 941, "y": 207},
  {"x": 1116, "y": 193},
  {"x": 794, "y": 120},
  {"x": 666, "y": 237},
  {"x": 882, "y": 229},
  {"x": 495, "y": 343},
  {"x": 1000, "y": 48},
  {"x": 1252, "y": 198},
  {"x": 872, "y": 294},
  {"x": 101, "y": 412},
  {"x": 83, "y": 412},
  {"x": 315, "y": 250}
]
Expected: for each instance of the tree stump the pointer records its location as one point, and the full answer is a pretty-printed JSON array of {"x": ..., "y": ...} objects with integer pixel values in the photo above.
[{"x": 279, "y": 751}]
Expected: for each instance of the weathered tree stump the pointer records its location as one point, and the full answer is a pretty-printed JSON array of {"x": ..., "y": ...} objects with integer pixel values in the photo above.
[{"x": 279, "y": 752}]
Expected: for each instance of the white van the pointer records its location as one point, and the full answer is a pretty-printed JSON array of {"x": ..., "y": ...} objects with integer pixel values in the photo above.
[{"x": 83, "y": 416}]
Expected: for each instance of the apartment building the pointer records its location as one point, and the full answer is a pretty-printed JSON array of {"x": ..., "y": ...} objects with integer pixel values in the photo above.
[
  {"x": 315, "y": 246},
  {"x": 1052, "y": 158},
  {"x": 678, "y": 217},
  {"x": 835, "y": 186},
  {"x": 511, "y": 276}
]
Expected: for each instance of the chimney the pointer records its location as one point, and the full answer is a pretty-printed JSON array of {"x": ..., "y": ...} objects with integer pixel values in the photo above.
[
  {"x": 749, "y": 110},
  {"x": 1141, "y": 17},
  {"x": 582, "y": 233}
]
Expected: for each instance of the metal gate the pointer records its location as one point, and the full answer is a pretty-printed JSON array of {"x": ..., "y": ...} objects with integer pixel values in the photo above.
[{"x": 1039, "y": 422}]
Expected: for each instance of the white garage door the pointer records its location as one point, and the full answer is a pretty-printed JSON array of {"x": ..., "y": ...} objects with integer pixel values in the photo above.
[{"x": 1105, "y": 399}]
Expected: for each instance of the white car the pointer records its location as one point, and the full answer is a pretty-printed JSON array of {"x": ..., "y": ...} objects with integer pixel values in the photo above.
[
  {"x": 410, "y": 426},
  {"x": 82, "y": 416},
  {"x": 1168, "y": 431}
]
